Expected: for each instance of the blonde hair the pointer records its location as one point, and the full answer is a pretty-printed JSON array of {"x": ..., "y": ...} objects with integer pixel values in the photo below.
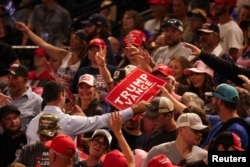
[{"x": 112, "y": 9}]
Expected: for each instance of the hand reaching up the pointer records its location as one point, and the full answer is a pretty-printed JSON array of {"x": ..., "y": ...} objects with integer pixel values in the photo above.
[
  {"x": 164, "y": 91},
  {"x": 246, "y": 81},
  {"x": 115, "y": 122},
  {"x": 21, "y": 26},
  {"x": 100, "y": 57},
  {"x": 195, "y": 50}
]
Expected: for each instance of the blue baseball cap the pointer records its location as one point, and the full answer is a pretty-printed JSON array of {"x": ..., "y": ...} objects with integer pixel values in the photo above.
[
  {"x": 96, "y": 19},
  {"x": 227, "y": 93}
]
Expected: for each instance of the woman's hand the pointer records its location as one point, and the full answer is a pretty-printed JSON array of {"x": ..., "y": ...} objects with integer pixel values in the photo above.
[
  {"x": 67, "y": 79},
  {"x": 246, "y": 81},
  {"x": 195, "y": 50},
  {"x": 73, "y": 109},
  {"x": 164, "y": 91},
  {"x": 100, "y": 57},
  {"x": 21, "y": 26},
  {"x": 115, "y": 122}
]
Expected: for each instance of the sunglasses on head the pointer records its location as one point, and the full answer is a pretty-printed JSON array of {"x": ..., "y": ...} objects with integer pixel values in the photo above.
[{"x": 174, "y": 22}]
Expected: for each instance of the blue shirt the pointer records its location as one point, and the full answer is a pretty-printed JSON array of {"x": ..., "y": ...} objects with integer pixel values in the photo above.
[
  {"x": 73, "y": 125},
  {"x": 29, "y": 104},
  {"x": 234, "y": 127}
]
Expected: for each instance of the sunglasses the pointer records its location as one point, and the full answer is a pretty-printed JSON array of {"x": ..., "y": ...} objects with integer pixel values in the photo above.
[{"x": 173, "y": 22}]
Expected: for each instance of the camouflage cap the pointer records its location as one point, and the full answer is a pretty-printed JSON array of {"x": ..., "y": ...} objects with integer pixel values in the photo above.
[{"x": 48, "y": 125}]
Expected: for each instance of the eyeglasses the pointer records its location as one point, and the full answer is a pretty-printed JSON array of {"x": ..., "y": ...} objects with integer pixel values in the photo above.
[{"x": 97, "y": 142}]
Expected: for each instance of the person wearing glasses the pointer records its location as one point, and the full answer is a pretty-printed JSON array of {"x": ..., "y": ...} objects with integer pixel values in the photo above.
[
  {"x": 173, "y": 31},
  {"x": 99, "y": 144}
]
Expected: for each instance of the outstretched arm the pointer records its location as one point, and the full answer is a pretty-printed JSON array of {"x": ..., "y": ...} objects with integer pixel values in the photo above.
[
  {"x": 231, "y": 71},
  {"x": 178, "y": 106},
  {"x": 246, "y": 81},
  {"x": 116, "y": 124},
  {"x": 53, "y": 51}
]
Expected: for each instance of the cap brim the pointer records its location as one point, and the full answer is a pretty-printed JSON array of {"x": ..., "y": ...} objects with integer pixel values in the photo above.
[
  {"x": 49, "y": 133},
  {"x": 204, "y": 30},
  {"x": 103, "y": 134},
  {"x": 199, "y": 127},
  {"x": 85, "y": 83},
  {"x": 159, "y": 71},
  {"x": 14, "y": 73},
  {"x": 86, "y": 23},
  {"x": 190, "y": 70},
  {"x": 171, "y": 25},
  {"x": 48, "y": 144},
  {"x": 8, "y": 112},
  {"x": 11, "y": 72},
  {"x": 149, "y": 114},
  {"x": 238, "y": 148}
]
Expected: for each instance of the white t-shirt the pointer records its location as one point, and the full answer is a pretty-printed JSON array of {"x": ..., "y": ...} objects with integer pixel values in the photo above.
[
  {"x": 152, "y": 25},
  {"x": 65, "y": 69},
  {"x": 231, "y": 36}
]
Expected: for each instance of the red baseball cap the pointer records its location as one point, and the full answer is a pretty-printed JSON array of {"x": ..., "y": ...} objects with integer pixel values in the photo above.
[
  {"x": 160, "y": 161},
  {"x": 163, "y": 69},
  {"x": 40, "y": 52},
  {"x": 133, "y": 39},
  {"x": 115, "y": 158},
  {"x": 140, "y": 33},
  {"x": 163, "y": 2},
  {"x": 237, "y": 142},
  {"x": 230, "y": 2},
  {"x": 97, "y": 42},
  {"x": 62, "y": 144},
  {"x": 230, "y": 139}
]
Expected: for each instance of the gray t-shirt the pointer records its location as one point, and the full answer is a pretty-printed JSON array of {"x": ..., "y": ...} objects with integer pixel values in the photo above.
[
  {"x": 34, "y": 155},
  {"x": 172, "y": 153},
  {"x": 163, "y": 55}
]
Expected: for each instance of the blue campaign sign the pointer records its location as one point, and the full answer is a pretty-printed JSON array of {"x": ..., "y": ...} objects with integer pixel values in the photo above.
[{"x": 9, "y": 7}]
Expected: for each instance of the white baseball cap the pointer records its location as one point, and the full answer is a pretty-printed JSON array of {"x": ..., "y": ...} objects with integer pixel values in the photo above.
[
  {"x": 104, "y": 133},
  {"x": 191, "y": 120},
  {"x": 158, "y": 105},
  {"x": 88, "y": 79}
]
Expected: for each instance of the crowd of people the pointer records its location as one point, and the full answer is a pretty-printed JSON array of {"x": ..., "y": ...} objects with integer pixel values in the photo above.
[{"x": 56, "y": 113}]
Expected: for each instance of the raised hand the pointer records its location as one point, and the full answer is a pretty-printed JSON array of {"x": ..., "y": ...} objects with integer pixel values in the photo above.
[
  {"x": 100, "y": 57},
  {"x": 246, "y": 81},
  {"x": 21, "y": 26},
  {"x": 115, "y": 122},
  {"x": 195, "y": 50},
  {"x": 164, "y": 91}
]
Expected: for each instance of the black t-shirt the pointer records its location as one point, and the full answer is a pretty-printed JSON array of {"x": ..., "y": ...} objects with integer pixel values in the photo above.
[
  {"x": 160, "y": 136},
  {"x": 7, "y": 57},
  {"x": 10, "y": 147},
  {"x": 84, "y": 164}
]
